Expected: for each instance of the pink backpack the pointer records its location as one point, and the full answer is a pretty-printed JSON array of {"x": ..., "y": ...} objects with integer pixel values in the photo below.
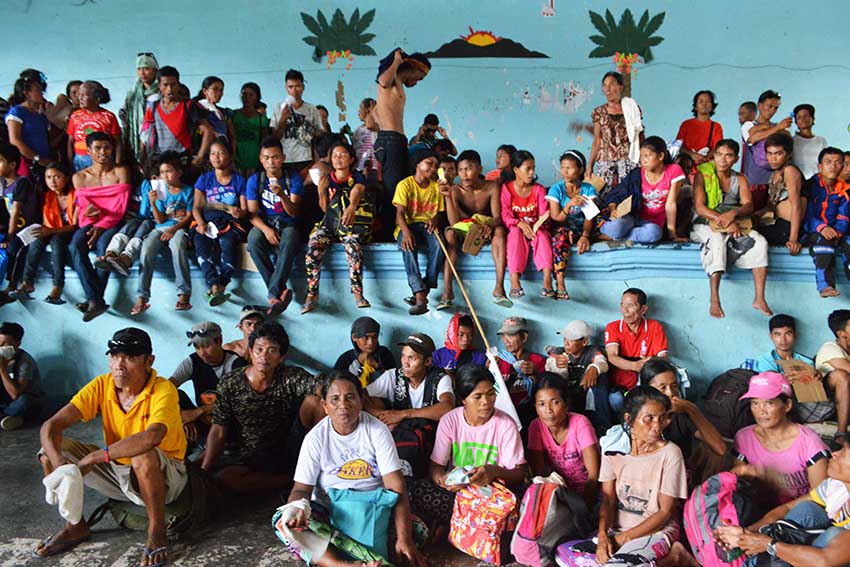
[{"x": 722, "y": 499}]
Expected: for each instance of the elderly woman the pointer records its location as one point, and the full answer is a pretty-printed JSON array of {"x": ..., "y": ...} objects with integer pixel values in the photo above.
[
  {"x": 789, "y": 456},
  {"x": 641, "y": 493},
  {"x": 611, "y": 151},
  {"x": 347, "y": 453}
]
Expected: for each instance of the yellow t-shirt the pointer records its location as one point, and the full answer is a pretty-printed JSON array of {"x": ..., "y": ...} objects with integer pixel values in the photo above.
[
  {"x": 421, "y": 203},
  {"x": 158, "y": 402}
]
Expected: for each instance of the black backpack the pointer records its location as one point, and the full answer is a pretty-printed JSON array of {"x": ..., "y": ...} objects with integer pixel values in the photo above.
[{"x": 723, "y": 408}]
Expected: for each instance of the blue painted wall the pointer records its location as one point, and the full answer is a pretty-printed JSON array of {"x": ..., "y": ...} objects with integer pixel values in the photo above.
[{"x": 738, "y": 49}]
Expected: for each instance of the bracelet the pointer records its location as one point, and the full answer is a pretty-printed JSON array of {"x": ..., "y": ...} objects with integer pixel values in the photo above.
[{"x": 106, "y": 454}]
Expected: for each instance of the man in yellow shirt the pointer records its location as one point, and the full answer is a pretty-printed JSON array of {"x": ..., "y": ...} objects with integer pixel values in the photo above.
[
  {"x": 142, "y": 459},
  {"x": 420, "y": 212}
]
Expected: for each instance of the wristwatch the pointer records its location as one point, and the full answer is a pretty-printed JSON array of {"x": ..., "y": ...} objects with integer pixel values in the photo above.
[{"x": 771, "y": 548}]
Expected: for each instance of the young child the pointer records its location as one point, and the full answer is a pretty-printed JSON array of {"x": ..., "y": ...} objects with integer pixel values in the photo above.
[
  {"x": 420, "y": 211},
  {"x": 566, "y": 199},
  {"x": 22, "y": 203},
  {"x": 59, "y": 222},
  {"x": 91, "y": 117},
  {"x": 364, "y": 137},
  {"x": 219, "y": 202},
  {"x": 172, "y": 216},
  {"x": 212, "y": 89},
  {"x": 349, "y": 213},
  {"x": 654, "y": 188},
  {"x": 826, "y": 223},
  {"x": 523, "y": 203}
]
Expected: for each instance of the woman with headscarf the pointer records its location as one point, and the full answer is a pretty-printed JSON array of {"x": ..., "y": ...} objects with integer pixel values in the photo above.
[
  {"x": 144, "y": 92},
  {"x": 368, "y": 359}
]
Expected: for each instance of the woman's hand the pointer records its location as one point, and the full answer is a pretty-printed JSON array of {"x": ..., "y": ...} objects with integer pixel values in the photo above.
[
  {"x": 613, "y": 213},
  {"x": 300, "y": 521},
  {"x": 732, "y": 537},
  {"x": 604, "y": 549},
  {"x": 577, "y": 201},
  {"x": 583, "y": 244},
  {"x": 405, "y": 548},
  {"x": 526, "y": 230},
  {"x": 483, "y": 475}
]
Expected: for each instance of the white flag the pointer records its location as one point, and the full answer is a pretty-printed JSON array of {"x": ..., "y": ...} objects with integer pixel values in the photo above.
[{"x": 503, "y": 398}]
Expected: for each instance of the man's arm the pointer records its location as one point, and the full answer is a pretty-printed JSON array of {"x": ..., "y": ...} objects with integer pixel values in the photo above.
[
  {"x": 387, "y": 78},
  {"x": 131, "y": 446},
  {"x": 215, "y": 445},
  {"x": 760, "y": 132},
  {"x": 51, "y": 433},
  {"x": 614, "y": 358},
  {"x": 433, "y": 412},
  {"x": 13, "y": 387},
  {"x": 207, "y": 137}
]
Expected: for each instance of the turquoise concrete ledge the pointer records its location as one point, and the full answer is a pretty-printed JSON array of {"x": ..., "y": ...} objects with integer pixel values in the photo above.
[{"x": 604, "y": 261}]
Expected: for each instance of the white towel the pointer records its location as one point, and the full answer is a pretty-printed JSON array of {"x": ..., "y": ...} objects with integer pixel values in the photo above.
[
  {"x": 212, "y": 108},
  {"x": 634, "y": 126},
  {"x": 311, "y": 545},
  {"x": 553, "y": 477},
  {"x": 64, "y": 487}
]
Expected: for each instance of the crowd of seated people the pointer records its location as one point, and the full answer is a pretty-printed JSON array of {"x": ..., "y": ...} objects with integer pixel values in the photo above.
[
  {"x": 612, "y": 421},
  {"x": 192, "y": 175}
]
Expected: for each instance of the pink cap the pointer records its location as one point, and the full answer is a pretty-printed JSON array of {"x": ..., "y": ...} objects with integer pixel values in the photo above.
[{"x": 766, "y": 386}]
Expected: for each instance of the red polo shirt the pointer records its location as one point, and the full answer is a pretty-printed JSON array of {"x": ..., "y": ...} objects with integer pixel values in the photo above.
[{"x": 649, "y": 340}]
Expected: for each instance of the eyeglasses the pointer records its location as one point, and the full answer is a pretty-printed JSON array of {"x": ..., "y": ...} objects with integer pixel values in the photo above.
[
  {"x": 199, "y": 333},
  {"x": 145, "y": 54}
]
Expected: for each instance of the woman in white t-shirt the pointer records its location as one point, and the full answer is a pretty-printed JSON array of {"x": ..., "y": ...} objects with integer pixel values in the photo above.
[{"x": 350, "y": 450}]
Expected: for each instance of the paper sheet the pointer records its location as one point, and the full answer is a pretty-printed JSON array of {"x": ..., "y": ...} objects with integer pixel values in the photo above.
[
  {"x": 625, "y": 207},
  {"x": 161, "y": 188},
  {"x": 314, "y": 175},
  {"x": 27, "y": 235},
  {"x": 589, "y": 209}
]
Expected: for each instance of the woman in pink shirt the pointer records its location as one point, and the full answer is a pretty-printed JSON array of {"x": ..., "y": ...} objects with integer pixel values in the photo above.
[
  {"x": 790, "y": 456},
  {"x": 523, "y": 204}
]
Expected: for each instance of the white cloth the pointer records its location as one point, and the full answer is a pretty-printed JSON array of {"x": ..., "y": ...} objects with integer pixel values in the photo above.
[
  {"x": 64, "y": 488},
  {"x": 615, "y": 439},
  {"x": 554, "y": 478},
  {"x": 384, "y": 388},
  {"x": 212, "y": 108},
  {"x": 503, "y": 397},
  {"x": 356, "y": 461},
  {"x": 634, "y": 126},
  {"x": 717, "y": 249},
  {"x": 313, "y": 546}
]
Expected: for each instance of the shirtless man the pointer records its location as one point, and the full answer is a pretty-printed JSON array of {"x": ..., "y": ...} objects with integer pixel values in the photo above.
[
  {"x": 475, "y": 196},
  {"x": 250, "y": 317},
  {"x": 95, "y": 232},
  {"x": 395, "y": 72},
  {"x": 781, "y": 220}
]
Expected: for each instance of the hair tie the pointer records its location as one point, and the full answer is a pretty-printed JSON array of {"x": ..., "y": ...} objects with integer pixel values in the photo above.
[{"x": 578, "y": 156}]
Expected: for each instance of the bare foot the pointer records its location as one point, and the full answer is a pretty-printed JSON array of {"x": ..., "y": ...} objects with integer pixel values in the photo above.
[
  {"x": 56, "y": 292},
  {"x": 829, "y": 292},
  {"x": 763, "y": 307},
  {"x": 28, "y": 288},
  {"x": 716, "y": 310}
]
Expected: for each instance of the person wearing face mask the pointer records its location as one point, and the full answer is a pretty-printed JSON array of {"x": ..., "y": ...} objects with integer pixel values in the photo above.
[
  {"x": 368, "y": 359},
  {"x": 21, "y": 395},
  {"x": 459, "y": 347},
  {"x": 641, "y": 493}
]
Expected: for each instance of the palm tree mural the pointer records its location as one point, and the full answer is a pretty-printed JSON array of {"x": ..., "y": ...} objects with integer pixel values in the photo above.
[
  {"x": 339, "y": 38},
  {"x": 627, "y": 42}
]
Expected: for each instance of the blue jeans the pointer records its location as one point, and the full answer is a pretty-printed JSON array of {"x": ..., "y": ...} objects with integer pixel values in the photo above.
[
  {"x": 601, "y": 415},
  {"x": 93, "y": 281},
  {"x": 179, "y": 258},
  {"x": 616, "y": 400},
  {"x": 217, "y": 256},
  {"x": 428, "y": 243},
  {"x": 274, "y": 274},
  {"x": 629, "y": 228},
  {"x": 811, "y": 515},
  {"x": 58, "y": 257},
  {"x": 19, "y": 407}
]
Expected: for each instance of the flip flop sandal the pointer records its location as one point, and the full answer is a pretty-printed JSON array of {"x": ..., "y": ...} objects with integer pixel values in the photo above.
[
  {"x": 182, "y": 306},
  {"x": 95, "y": 312},
  {"x": 139, "y": 308},
  {"x": 418, "y": 309},
  {"x": 547, "y": 293},
  {"x": 82, "y": 307},
  {"x": 117, "y": 266},
  {"x": 21, "y": 295},
  {"x": 149, "y": 553},
  {"x": 503, "y": 301},
  {"x": 309, "y": 305},
  {"x": 445, "y": 304},
  {"x": 278, "y": 306},
  {"x": 410, "y": 300},
  {"x": 362, "y": 303},
  {"x": 517, "y": 293},
  {"x": 55, "y": 300},
  {"x": 216, "y": 299},
  {"x": 63, "y": 546},
  {"x": 562, "y": 296}
]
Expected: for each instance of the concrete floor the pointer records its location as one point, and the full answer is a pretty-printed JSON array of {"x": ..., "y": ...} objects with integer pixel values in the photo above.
[{"x": 241, "y": 535}]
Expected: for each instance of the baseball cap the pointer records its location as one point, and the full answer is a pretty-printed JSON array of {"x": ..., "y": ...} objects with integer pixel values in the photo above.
[
  {"x": 512, "y": 326},
  {"x": 576, "y": 330},
  {"x": 203, "y": 333},
  {"x": 131, "y": 341},
  {"x": 420, "y": 343},
  {"x": 766, "y": 386},
  {"x": 12, "y": 330},
  {"x": 251, "y": 311}
]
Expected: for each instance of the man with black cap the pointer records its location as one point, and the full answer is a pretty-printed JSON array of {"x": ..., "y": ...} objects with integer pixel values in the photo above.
[
  {"x": 250, "y": 318},
  {"x": 21, "y": 394},
  {"x": 395, "y": 72},
  {"x": 141, "y": 460},
  {"x": 368, "y": 359},
  {"x": 420, "y": 212},
  {"x": 409, "y": 397},
  {"x": 261, "y": 407},
  {"x": 204, "y": 367}
]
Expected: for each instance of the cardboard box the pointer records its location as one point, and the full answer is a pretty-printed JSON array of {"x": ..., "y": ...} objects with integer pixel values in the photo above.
[
  {"x": 247, "y": 262},
  {"x": 474, "y": 239},
  {"x": 807, "y": 383},
  {"x": 625, "y": 207},
  {"x": 744, "y": 223}
]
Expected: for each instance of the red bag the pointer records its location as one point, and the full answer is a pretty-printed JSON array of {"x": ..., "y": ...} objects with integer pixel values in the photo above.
[{"x": 482, "y": 516}]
